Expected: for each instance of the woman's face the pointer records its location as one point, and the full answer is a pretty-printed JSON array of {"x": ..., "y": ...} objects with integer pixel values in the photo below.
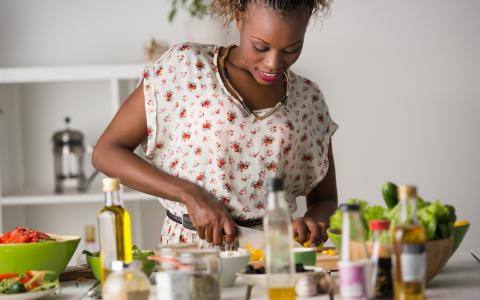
[{"x": 270, "y": 41}]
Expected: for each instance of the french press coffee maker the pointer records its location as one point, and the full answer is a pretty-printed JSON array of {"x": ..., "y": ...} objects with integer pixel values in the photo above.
[{"x": 69, "y": 151}]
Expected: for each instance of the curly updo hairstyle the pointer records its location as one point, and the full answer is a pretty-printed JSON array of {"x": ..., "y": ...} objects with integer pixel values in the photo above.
[{"x": 226, "y": 9}]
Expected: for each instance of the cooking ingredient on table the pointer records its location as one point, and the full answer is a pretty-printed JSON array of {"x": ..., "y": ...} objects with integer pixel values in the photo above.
[
  {"x": 255, "y": 254},
  {"x": 126, "y": 282},
  {"x": 409, "y": 246},
  {"x": 93, "y": 260},
  {"x": 31, "y": 281},
  {"x": 278, "y": 246},
  {"x": 381, "y": 260},
  {"x": 251, "y": 269},
  {"x": 114, "y": 229},
  {"x": 354, "y": 265},
  {"x": 23, "y": 235},
  {"x": 390, "y": 194},
  {"x": 189, "y": 274},
  {"x": 436, "y": 218}
]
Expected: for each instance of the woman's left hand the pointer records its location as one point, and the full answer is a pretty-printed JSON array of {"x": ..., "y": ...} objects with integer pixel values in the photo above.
[{"x": 307, "y": 229}]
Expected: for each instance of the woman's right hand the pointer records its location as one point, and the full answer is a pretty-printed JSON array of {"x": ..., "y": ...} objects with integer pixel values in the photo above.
[{"x": 210, "y": 217}]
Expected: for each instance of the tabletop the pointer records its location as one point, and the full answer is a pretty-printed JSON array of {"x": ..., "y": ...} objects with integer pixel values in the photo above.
[{"x": 459, "y": 278}]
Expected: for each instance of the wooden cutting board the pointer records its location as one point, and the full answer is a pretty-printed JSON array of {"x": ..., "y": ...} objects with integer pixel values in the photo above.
[{"x": 328, "y": 262}]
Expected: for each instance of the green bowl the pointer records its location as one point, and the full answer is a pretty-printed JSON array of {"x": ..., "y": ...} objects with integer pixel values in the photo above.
[
  {"x": 93, "y": 262},
  {"x": 335, "y": 237},
  {"x": 459, "y": 233},
  {"x": 51, "y": 255}
]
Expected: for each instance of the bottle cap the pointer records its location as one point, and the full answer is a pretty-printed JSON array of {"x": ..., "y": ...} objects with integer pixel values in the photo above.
[
  {"x": 110, "y": 184},
  {"x": 376, "y": 225},
  {"x": 117, "y": 265},
  {"x": 90, "y": 233},
  {"x": 407, "y": 192},
  {"x": 349, "y": 207},
  {"x": 275, "y": 184}
]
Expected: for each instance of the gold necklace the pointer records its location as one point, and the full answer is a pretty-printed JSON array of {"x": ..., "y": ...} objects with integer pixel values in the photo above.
[{"x": 240, "y": 98}]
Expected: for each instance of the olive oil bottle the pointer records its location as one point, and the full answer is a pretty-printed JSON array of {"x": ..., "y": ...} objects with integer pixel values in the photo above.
[
  {"x": 114, "y": 229},
  {"x": 409, "y": 241},
  {"x": 278, "y": 244}
]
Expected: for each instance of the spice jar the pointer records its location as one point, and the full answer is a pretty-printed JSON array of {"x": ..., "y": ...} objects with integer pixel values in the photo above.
[
  {"x": 196, "y": 276},
  {"x": 126, "y": 282}
]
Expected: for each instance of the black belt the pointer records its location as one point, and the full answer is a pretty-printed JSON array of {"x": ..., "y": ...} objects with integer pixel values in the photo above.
[{"x": 187, "y": 223}]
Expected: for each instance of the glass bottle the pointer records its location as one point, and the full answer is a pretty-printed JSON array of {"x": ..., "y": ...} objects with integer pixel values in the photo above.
[
  {"x": 278, "y": 244},
  {"x": 409, "y": 241},
  {"x": 114, "y": 229},
  {"x": 126, "y": 282},
  {"x": 354, "y": 266},
  {"x": 90, "y": 244},
  {"x": 381, "y": 260}
]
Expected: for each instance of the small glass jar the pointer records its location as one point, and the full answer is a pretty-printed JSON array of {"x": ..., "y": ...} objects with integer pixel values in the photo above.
[
  {"x": 196, "y": 276},
  {"x": 126, "y": 282}
]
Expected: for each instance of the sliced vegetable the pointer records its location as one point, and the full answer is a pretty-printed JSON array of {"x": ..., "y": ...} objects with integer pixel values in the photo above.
[
  {"x": 30, "y": 281},
  {"x": 23, "y": 235}
]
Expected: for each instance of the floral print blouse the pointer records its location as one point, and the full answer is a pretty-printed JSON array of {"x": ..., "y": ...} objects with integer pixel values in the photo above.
[{"x": 198, "y": 131}]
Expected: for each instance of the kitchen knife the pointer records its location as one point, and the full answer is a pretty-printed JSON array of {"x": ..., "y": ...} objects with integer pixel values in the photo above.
[
  {"x": 250, "y": 236},
  {"x": 245, "y": 235}
]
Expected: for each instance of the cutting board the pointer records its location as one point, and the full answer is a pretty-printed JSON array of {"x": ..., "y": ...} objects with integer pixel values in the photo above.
[{"x": 328, "y": 262}]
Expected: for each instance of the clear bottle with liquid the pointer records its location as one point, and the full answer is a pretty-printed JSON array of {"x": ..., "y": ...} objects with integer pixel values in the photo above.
[
  {"x": 409, "y": 246},
  {"x": 355, "y": 266},
  {"x": 90, "y": 243},
  {"x": 280, "y": 267},
  {"x": 114, "y": 228}
]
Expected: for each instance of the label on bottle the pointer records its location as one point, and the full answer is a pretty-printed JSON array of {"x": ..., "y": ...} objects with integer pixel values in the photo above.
[
  {"x": 413, "y": 262},
  {"x": 355, "y": 279}
]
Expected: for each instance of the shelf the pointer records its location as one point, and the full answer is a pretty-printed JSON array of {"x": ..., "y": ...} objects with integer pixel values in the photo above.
[
  {"x": 39, "y": 198},
  {"x": 74, "y": 73}
]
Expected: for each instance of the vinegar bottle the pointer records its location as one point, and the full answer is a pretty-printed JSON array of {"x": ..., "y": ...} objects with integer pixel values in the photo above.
[
  {"x": 278, "y": 244},
  {"x": 114, "y": 229},
  {"x": 409, "y": 249}
]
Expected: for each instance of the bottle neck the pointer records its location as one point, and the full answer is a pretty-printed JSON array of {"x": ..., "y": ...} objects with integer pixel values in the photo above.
[
  {"x": 276, "y": 199},
  {"x": 112, "y": 198},
  {"x": 408, "y": 211}
]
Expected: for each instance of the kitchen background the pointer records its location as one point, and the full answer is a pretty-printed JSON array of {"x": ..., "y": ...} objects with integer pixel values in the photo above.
[{"x": 402, "y": 78}]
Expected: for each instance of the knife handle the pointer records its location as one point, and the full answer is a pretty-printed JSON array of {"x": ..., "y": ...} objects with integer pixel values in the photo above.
[{"x": 187, "y": 223}]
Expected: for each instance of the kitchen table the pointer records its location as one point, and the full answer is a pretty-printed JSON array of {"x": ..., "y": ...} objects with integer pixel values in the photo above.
[{"x": 460, "y": 279}]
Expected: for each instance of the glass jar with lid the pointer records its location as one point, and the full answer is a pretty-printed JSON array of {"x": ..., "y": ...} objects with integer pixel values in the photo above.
[{"x": 196, "y": 275}]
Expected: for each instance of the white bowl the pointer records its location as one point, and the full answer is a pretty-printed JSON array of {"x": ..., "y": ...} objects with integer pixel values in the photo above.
[
  {"x": 233, "y": 262},
  {"x": 261, "y": 279}
]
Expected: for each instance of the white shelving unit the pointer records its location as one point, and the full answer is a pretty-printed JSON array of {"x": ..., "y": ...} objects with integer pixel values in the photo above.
[{"x": 33, "y": 104}]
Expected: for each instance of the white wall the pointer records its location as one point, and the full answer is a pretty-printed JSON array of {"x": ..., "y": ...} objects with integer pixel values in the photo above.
[{"x": 401, "y": 79}]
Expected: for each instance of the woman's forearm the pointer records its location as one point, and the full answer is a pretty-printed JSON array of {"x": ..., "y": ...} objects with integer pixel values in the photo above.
[
  {"x": 138, "y": 174},
  {"x": 322, "y": 210}
]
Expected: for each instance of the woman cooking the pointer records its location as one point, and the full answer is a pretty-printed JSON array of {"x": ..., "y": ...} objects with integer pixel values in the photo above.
[{"x": 217, "y": 122}]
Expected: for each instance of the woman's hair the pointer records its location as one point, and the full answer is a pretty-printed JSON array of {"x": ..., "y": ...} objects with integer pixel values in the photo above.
[{"x": 226, "y": 9}]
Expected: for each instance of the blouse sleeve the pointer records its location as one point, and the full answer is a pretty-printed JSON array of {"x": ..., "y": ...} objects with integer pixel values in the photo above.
[
  {"x": 320, "y": 129},
  {"x": 157, "y": 94}
]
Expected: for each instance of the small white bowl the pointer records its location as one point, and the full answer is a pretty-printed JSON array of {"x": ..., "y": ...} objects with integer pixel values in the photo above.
[{"x": 233, "y": 262}]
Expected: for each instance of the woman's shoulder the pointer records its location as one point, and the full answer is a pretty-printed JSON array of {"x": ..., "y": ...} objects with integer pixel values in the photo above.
[
  {"x": 186, "y": 50},
  {"x": 302, "y": 86}
]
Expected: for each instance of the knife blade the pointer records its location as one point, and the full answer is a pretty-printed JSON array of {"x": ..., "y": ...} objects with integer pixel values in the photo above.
[{"x": 250, "y": 236}]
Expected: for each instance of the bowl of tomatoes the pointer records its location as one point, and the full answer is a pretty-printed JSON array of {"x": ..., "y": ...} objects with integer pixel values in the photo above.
[{"x": 25, "y": 249}]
